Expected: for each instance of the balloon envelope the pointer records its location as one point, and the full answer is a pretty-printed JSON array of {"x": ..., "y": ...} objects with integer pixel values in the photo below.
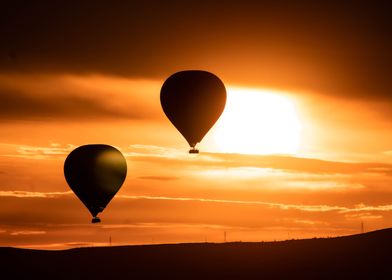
[
  {"x": 95, "y": 173},
  {"x": 193, "y": 101}
]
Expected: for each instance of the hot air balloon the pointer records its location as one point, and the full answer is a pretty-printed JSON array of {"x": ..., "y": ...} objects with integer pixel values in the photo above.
[
  {"x": 193, "y": 101},
  {"x": 95, "y": 173}
]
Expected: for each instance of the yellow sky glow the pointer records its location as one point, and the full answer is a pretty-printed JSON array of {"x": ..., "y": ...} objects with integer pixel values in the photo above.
[{"x": 258, "y": 121}]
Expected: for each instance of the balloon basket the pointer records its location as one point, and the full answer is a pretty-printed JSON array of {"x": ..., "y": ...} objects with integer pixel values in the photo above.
[
  {"x": 193, "y": 151},
  {"x": 95, "y": 220}
]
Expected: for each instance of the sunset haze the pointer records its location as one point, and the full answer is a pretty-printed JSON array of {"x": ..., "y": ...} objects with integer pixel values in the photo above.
[{"x": 302, "y": 149}]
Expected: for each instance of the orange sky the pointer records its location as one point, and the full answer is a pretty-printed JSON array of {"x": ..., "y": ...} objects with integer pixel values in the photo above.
[{"x": 60, "y": 92}]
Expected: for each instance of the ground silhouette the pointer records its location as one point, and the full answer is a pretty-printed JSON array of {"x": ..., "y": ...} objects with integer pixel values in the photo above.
[{"x": 362, "y": 256}]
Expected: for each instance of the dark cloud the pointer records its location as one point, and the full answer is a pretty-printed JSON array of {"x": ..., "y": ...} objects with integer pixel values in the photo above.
[
  {"x": 336, "y": 47},
  {"x": 56, "y": 98},
  {"x": 17, "y": 105}
]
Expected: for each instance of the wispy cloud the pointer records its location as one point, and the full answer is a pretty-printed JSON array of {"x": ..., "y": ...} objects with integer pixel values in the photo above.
[
  {"x": 53, "y": 150},
  {"x": 309, "y": 222},
  {"x": 158, "y": 178},
  {"x": 63, "y": 246},
  {"x": 325, "y": 185},
  {"x": 172, "y": 225},
  {"x": 28, "y": 232},
  {"x": 149, "y": 152},
  {"x": 366, "y": 216},
  {"x": 25, "y": 194},
  {"x": 307, "y": 167},
  {"x": 287, "y": 163},
  {"x": 282, "y": 206}
]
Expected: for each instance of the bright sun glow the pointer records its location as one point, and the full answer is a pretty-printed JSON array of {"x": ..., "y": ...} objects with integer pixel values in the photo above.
[{"x": 258, "y": 122}]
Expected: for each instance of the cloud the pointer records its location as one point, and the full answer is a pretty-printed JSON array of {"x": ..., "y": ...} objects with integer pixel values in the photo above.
[
  {"x": 309, "y": 222},
  {"x": 28, "y": 232},
  {"x": 273, "y": 205},
  {"x": 53, "y": 151},
  {"x": 156, "y": 219},
  {"x": 366, "y": 216},
  {"x": 325, "y": 185},
  {"x": 159, "y": 178},
  {"x": 281, "y": 206},
  {"x": 70, "y": 97},
  {"x": 62, "y": 246},
  {"x": 315, "y": 170},
  {"x": 287, "y": 163},
  {"x": 16, "y": 105},
  {"x": 136, "y": 150},
  {"x": 170, "y": 226},
  {"x": 298, "y": 44},
  {"x": 27, "y": 194}
]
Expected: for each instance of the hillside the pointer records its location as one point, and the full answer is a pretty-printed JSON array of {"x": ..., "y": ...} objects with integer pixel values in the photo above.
[{"x": 363, "y": 256}]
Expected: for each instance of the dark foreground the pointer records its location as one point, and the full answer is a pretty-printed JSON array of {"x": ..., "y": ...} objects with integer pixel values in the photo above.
[{"x": 364, "y": 256}]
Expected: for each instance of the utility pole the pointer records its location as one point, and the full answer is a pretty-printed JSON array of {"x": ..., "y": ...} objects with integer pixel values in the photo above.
[
  {"x": 362, "y": 227},
  {"x": 110, "y": 240}
]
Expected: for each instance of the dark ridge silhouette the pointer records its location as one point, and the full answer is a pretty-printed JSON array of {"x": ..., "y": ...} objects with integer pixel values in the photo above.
[
  {"x": 95, "y": 173},
  {"x": 193, "y": 100},
  {"x": 363, "y": 256}
]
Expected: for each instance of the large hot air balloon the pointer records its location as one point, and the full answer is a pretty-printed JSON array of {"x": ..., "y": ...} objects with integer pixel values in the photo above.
[
  {"x": 193, "y": 101},
  {"x": 95, "y": 173}
]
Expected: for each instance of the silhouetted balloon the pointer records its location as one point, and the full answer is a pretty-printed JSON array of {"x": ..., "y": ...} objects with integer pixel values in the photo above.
[
  {"x": 95, "y": 173},
  {"x": 193, "y": 101}
]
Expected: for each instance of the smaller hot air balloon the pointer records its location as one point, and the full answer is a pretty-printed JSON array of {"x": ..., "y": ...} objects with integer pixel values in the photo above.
[
  {"x": 95, "y": 173},
  {"x": 193, "y": 101}
]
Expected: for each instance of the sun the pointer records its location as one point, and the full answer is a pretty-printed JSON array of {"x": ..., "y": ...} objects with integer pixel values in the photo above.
[{"x": 257, "y": 121}]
